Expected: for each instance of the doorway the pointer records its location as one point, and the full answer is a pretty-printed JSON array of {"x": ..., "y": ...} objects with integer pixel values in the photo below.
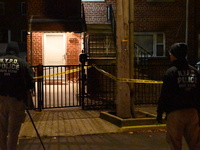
[
  {"x": 54, "y": 55},
  {"x": 54, "y": 49}
]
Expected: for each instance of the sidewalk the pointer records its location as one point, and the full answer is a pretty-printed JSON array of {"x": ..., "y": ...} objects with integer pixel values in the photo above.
[
  {"x": 66, "y": 122},
  {"x": 115, "y": 141},
  {"x": 74, "y": 129}
]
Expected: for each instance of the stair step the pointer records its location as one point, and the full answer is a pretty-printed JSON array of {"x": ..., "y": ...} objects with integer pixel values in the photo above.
[
  {"x": 99, "y": 26},
  {"x": 99, "y": 29}
]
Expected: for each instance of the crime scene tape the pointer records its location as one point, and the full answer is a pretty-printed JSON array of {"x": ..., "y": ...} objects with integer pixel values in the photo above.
[
  {"x": 127, "y": 79},
  {"x": 62, "y": 73}
]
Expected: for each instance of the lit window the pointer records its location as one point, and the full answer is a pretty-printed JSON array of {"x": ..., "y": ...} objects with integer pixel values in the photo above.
[
  {"x": 151, "y": 43},
  {"x": 2, "y": 8}
]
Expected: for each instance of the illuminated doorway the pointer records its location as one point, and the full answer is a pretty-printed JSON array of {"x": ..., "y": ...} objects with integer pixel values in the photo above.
[{"x": 54, "y": 49}]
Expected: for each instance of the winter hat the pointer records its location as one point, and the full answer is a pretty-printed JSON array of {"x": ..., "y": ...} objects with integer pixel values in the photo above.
[
  {"x": 12, "y": 46},
  {"x": 179, "y": 50}
]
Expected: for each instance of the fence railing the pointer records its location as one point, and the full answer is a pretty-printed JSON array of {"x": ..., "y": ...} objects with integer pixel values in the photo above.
[
  {"x": 60, "y": 86},
  {"x": 101, "y": 46},
  {"x": 56, "y": 86},
  {"x": 101, "y": 90},
  {"x": 148, "y": 93},
  {"x": 141, "y": 55}
]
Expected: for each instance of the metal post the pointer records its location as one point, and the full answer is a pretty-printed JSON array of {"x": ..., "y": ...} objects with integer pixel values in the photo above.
[
  {"x": 40, "y": 86},
  {"x": 83, "y": 85},
  {"x": 83, "y": 59}
]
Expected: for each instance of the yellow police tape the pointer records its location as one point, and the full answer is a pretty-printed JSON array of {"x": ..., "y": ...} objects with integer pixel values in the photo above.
[
  {"x": 127, "y": 79},
  {"x": 105, "y": 73},
  {"x": 61, "y": 73}
]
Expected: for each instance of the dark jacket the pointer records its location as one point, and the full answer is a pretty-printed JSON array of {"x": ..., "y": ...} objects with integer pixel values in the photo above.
[
  {"x": 181, "y": 88},
  {"x": 16, "y": 77}
]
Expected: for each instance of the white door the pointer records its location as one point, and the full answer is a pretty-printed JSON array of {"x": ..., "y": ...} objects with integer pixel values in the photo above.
[{"x": 54, "y": 49}]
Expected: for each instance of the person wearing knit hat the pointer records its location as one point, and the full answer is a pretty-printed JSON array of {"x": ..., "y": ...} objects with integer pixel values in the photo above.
[
  {"x": 179, "y": 50},
  {"x": 16, "y": 78},
  {"x": 180, "y": 100}
]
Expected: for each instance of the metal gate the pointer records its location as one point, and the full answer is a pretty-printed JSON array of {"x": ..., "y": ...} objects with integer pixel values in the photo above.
[
  {"x": 73, "y": 86},
  {"x": 56, "y": 86}
]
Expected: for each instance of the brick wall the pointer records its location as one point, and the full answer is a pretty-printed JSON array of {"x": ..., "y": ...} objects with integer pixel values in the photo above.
[
  {"x": 73, "y": 48},
  {"x": 96, "y": 12},
  {"x": 54, "y": 9},
  {"x": 167, "y": 17},
  {"x": 37, "y": 48}
]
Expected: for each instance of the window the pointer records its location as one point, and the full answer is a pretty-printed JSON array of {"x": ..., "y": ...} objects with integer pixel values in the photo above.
[
  {"x": 152, "y": 43},
  {"x": 2, "y": 8},
  {"x": 23, "y": 8},
  {"x": 23, "y": 35}
]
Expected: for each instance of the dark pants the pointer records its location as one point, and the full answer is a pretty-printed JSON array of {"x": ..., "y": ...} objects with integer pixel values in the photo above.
[
  {"x": 12, "y": 115},
  {"x": 183, "y": 123}
]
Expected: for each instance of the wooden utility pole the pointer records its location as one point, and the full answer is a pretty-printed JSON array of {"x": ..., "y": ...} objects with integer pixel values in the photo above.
[
  {"x": 131, "y": 47},
  {"x": 123, "y": 103}
]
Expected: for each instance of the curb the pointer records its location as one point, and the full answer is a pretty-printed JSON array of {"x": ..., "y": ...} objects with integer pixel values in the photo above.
[
  {"x": 133, "y": 124},
  {"x": 143, "y": 127}
]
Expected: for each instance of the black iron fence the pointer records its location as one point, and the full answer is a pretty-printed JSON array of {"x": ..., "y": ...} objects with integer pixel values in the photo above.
[
  {"x": 61, "y": 86},
  {"x": 148, "y": 93},
  {"x": 101, "y": 46},
  {"x": 100, "y": 89},
  {"x": 56, "y": 86}
]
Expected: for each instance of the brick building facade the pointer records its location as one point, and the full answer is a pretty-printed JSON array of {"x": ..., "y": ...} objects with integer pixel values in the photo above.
[
  {"x": 163, "y": 23},
  {"x": 169, "y": 18},
  {"x": 154, "y": 18},
  {"x": 96, "y": 12}
]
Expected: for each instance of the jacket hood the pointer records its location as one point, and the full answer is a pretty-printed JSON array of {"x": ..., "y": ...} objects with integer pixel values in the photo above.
[{"x": 12, "y": 48}]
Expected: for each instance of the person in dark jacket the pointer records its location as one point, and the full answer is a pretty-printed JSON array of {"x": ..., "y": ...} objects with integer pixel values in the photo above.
[
  {"x": 16, "y": 78},
  {"x": 180, "y": 100}
]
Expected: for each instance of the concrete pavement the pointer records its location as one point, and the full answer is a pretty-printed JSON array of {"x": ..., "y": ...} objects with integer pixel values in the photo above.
[
  {"x": 75, "y": 129},
  {"x": 66, "y": 122},
  {"x": 114, "y": 141}
]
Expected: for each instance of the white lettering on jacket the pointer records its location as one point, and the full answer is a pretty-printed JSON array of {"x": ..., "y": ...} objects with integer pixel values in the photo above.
[
  {"x": 9, "y": 66},
  {"x": 187, "y": 79}
]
